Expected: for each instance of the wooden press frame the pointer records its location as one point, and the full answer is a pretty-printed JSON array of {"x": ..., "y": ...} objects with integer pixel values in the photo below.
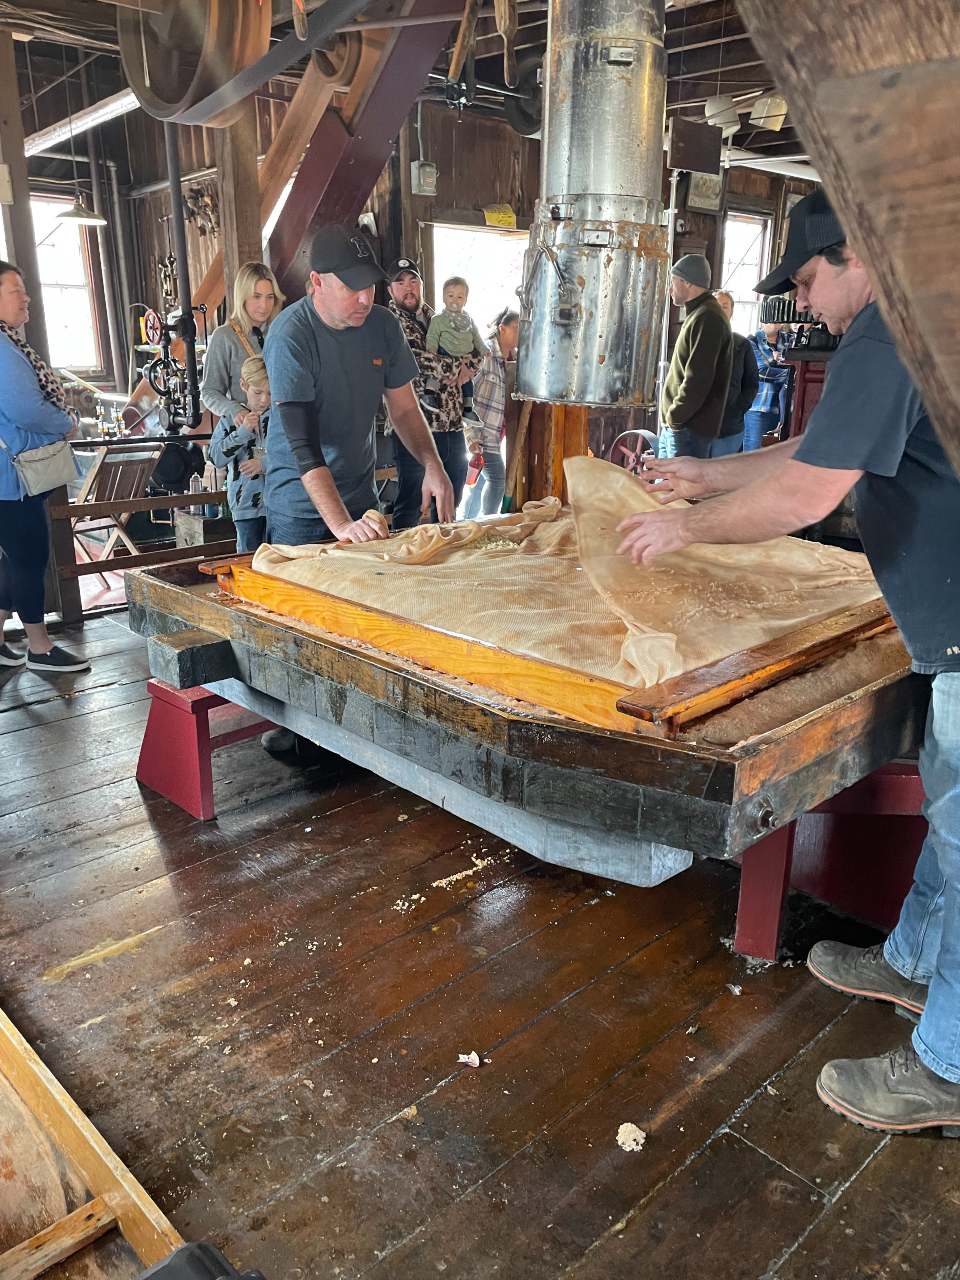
[
  {"x": 118, "y": 1201},
  {"x": 661, "y": 710}
]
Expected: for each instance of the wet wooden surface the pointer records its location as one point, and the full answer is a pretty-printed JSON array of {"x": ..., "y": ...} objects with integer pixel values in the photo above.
[{"x": 263, "y": 1014}]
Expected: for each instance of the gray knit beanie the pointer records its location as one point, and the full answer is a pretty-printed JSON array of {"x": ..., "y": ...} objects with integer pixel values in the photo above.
[{"x": 694, "y": 268}]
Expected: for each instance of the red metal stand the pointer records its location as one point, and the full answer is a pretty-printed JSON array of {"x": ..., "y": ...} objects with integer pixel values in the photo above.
[
  {"x": 764, "y": 884},
  {"x": 856, "y": 852},
  {"x": 177, "y": 746}
]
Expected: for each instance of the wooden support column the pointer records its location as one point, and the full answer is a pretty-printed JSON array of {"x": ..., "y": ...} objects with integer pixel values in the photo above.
[
  {"x": 240, "y": 225},
  {"x": 335, "y": 181},
  {"x": 555, "y": 432},
  {"x": 876, "y": 92},
  {"x": 17, "y": 219}
]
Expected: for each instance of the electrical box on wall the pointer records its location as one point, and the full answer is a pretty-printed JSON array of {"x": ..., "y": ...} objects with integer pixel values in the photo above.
[{"x": 423, "y": 177}]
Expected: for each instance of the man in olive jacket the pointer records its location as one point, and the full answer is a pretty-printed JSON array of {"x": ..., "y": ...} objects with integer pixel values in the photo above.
[{"x": 695, "y": 390}]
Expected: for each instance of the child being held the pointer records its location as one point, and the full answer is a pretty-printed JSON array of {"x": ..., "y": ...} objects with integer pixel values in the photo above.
[
  {"x": 240, "y": 450},
  {"x": 452, "y": 332}
]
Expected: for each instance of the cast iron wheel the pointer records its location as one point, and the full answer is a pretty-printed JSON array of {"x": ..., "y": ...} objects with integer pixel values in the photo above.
[
  {"x": 525, "y": 114},
  {"x": 177, "y": 58}
]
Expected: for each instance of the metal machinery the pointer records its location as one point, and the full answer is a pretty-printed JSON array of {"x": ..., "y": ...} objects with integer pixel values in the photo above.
[{"x": 596, "y": 266}]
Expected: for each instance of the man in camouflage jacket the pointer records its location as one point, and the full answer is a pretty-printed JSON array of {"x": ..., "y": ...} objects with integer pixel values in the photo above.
[{"x": 405, "y": 287}]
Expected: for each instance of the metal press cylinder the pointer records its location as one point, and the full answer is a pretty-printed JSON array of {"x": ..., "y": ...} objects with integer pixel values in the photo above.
[{"x": 596, "y": 265}]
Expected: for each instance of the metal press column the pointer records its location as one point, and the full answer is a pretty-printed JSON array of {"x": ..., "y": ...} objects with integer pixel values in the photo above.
[{"x": 596, "y": 266}]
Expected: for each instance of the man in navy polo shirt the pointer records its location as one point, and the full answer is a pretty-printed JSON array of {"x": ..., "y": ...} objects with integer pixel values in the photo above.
[{"x": 870, "y": 432}]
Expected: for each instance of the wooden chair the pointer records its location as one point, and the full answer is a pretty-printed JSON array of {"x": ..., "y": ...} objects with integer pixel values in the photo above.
[{"x": 116, "y": 475}]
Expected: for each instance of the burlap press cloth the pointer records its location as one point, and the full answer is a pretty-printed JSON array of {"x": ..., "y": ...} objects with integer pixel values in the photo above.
[{"x": 547, "y": 582}]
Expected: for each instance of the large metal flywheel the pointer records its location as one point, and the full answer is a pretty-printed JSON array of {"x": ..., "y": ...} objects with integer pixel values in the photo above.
[{"x": 176, "y": 59}]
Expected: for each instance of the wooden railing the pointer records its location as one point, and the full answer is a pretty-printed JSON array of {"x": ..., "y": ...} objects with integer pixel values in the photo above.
[{"x": 66, "y": 570}]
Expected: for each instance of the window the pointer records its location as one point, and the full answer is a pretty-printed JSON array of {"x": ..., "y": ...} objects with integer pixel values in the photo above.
[
  {"x": 490, "y": 261},
  {"x": 65, "y": 279},
  {"x": 746, "y": 256}
]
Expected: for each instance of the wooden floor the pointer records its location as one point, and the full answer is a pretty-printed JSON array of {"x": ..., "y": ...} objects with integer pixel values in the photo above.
[{"x": 263, "y": 1014}]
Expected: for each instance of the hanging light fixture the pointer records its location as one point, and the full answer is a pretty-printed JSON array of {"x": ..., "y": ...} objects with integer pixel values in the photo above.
[
  {"x": 78, "y": 212},
  {"x": 721, "y": 111},
  {"x": 770, "y": 111}
]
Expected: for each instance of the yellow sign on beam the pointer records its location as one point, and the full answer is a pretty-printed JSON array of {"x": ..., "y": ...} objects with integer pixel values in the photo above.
[{"x": 499, "y": 215}]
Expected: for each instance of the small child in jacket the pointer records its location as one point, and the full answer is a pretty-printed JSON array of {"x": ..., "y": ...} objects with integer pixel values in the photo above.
[
  {"x": 452, "y": 332},
  {"x": 241, "y": 451}
]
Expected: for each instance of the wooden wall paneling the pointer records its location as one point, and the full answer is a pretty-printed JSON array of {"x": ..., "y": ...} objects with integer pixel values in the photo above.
[{"x": 875, "y": 90}]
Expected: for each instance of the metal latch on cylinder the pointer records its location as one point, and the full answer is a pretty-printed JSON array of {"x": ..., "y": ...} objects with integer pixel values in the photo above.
[
  {"x": 566, "y": 313},
  {"x": 596, "y": 237},
  {"x": 620, "y": 55}
]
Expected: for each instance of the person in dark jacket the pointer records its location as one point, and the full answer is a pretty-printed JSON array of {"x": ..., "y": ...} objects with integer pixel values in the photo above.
[
  {"x": 744, "y": 382},
  {"x": 694, "y": 393}
]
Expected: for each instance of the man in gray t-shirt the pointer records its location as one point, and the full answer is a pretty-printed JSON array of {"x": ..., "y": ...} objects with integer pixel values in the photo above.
[
  {"x": 331, "y": 357},
  {"x": 870, "y": 432}
]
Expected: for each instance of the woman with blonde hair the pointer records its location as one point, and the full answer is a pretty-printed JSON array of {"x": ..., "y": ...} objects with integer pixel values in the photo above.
[{"x": 257, "y": 300}]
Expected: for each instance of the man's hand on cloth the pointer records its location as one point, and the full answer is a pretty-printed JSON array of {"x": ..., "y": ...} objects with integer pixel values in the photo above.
[
  {"x": 667, "y": 479},
  {"x": 652, "y": 533},
  {"x": 437, "y": 486}
]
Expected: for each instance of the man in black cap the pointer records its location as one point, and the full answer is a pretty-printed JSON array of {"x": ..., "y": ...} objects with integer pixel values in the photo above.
[
  {"x": 331, "y": 357},
  {"x": 870, "y": 430},
  {"x": 405, "y": 286}
]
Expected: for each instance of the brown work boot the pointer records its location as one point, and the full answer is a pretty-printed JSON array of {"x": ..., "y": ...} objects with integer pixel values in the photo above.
[
  {"x": 897, "y": 1093},
  {"x": 863, "y": 971}
]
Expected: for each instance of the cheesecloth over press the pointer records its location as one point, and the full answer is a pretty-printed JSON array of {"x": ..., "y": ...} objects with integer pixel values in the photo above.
[{"x": 547, "y": 582}]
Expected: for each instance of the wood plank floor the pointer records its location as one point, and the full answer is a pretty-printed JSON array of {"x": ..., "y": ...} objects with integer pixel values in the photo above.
[{"x": 264, "y": 1014}]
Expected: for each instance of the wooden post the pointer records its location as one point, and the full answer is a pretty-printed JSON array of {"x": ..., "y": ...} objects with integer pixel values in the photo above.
[
  {"x": 240, "y": 224},
  {"x": 875, "y": 93},
  {"x": 18, "y": 229}
]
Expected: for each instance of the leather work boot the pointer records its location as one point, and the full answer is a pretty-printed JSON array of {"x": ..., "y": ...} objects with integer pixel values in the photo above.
[
  {"x": 896, "y": 1093},
  {"x": 863, "y": 971}
]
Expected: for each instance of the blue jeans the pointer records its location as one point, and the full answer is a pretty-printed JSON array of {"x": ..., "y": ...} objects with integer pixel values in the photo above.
[
  {"x": 925, "y": 945},
  {"x": 723, "y": 446},
  {"x": 681, "y": 442},
  {"x": 453, "y": 454},
  {"x": 251, "y": 532},
  {"x": 296, "y": 531},
  {"x": 487, "y": 494},
  {"x": 755, "y": 425}
]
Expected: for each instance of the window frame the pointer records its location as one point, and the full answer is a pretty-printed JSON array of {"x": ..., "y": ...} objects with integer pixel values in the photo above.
[
  {"x": 761, "y": 213},
  {"x": 93, "y": 274}
]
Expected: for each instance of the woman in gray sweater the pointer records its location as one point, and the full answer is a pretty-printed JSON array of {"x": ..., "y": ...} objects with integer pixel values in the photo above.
[{"x": 256, "y": 301}]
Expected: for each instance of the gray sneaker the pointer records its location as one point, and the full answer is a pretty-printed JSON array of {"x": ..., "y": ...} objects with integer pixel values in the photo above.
[
  {"x": 863, "y": 971},
  {"x": 897, "y": 1093}
]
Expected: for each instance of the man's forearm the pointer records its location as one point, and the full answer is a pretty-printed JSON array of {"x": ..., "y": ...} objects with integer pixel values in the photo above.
[
  {"x": 322, "y": 492},
  {"x": 415, "y": 435},
  {"x": 727, "y": 475},
  {"x": 775, "y": 505}
]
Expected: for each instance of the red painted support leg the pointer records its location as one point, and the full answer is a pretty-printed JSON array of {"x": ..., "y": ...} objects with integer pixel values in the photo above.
[
  {"x": 764, "y": 882},
  {"x": 175, "y": 752}
]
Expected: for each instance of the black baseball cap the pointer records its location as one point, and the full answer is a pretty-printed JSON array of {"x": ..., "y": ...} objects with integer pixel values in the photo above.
[
  {"x": 402, "y": 266},
  {"x": 347, "y": 255},
  {"x": 813, "y": 227}
]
